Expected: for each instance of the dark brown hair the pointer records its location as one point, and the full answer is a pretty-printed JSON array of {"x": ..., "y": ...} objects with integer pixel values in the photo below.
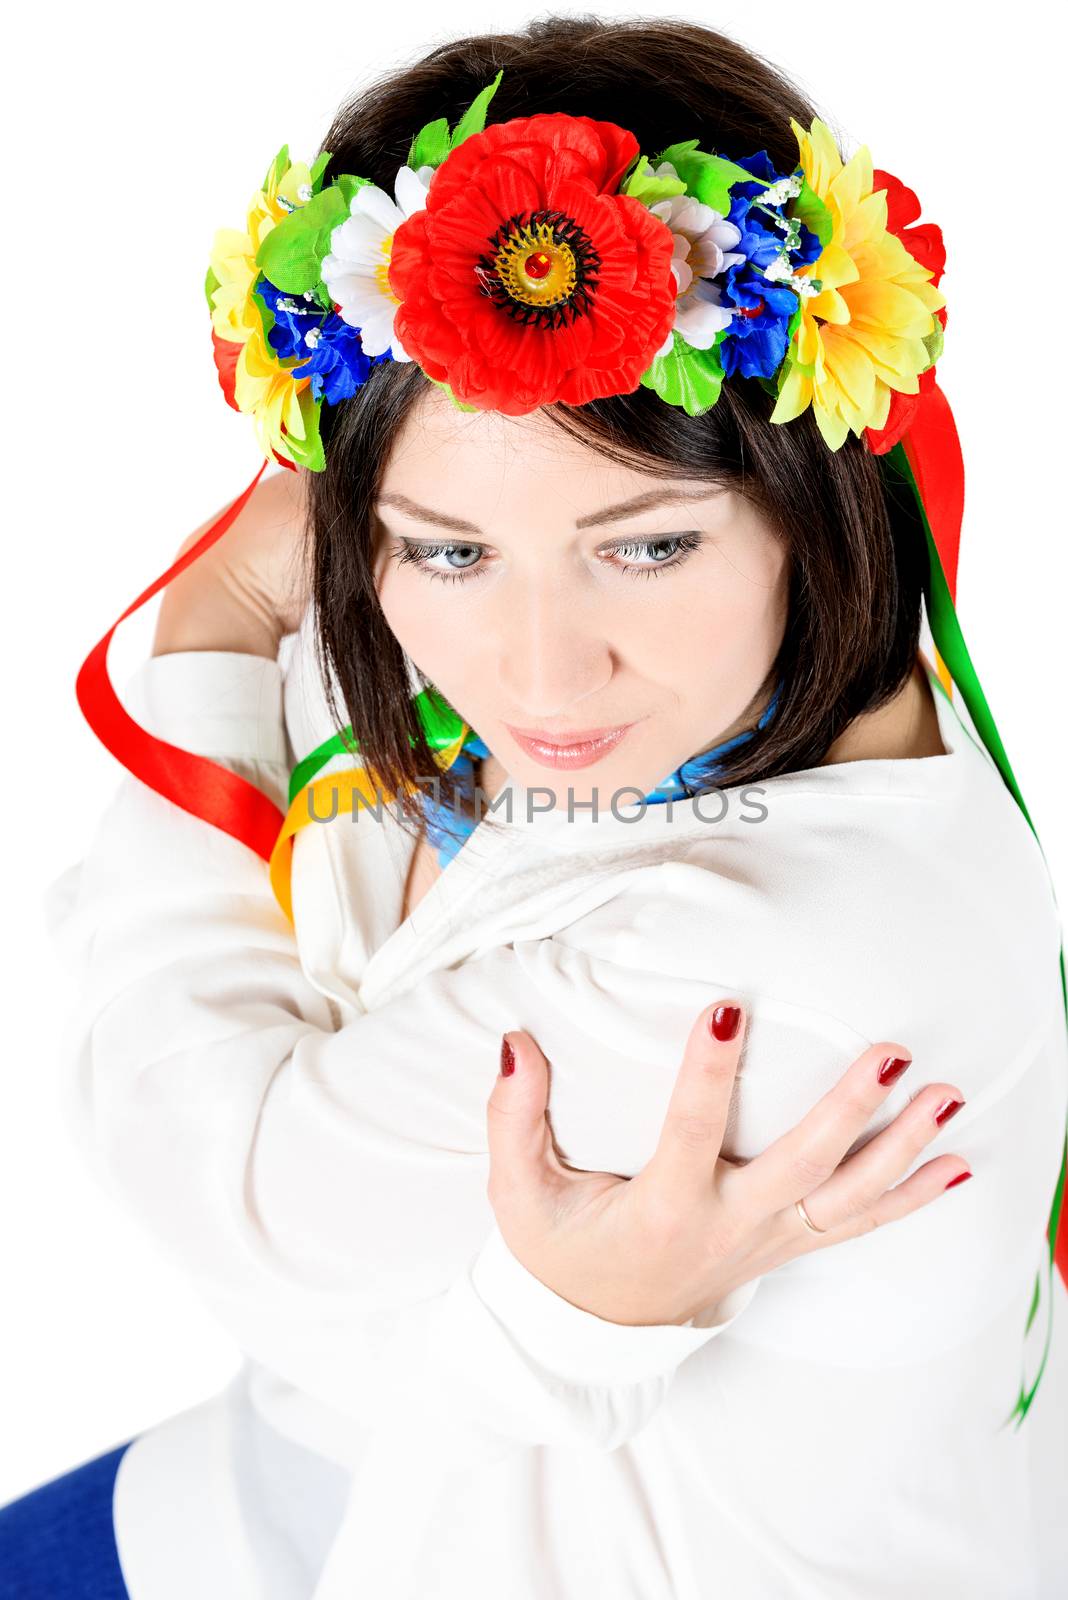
[{"x": 856, "y": 556}]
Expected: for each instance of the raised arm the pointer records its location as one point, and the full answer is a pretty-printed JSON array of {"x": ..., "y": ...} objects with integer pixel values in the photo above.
[{"x": 324, "y": 1181}]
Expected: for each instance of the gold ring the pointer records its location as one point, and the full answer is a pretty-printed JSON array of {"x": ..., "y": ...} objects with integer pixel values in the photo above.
[{"x": 805, "y": 1218}]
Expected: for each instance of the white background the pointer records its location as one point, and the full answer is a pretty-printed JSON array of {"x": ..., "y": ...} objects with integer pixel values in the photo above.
[{"x": 131, "y": 136}]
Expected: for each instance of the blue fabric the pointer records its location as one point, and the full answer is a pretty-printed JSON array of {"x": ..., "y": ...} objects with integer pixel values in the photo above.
[
  {"x": 448, "y": 831},
  {"x": 58, "y": 1541}
]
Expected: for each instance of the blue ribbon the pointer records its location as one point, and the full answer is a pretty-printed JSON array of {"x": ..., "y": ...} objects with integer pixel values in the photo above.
[{"x": 447, "y": 831}]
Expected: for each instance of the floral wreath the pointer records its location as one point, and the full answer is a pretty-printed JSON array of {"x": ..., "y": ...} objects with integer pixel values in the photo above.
[{"x": 545, "y": 259}]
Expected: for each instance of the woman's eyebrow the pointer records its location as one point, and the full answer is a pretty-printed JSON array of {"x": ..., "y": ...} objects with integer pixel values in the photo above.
[
  {"x": 646, "y": 502},
  {"x": 625, "y": 508}
]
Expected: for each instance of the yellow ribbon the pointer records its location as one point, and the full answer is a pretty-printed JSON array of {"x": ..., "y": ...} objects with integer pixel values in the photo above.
[{"x": 352, "y": 788}]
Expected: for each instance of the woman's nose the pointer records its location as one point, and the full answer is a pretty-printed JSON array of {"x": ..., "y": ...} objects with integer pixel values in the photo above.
[{"x": 550, "y": 658}]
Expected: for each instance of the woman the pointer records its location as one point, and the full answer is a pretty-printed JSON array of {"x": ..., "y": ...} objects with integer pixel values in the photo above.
[{"x": 596, "y": 1324}]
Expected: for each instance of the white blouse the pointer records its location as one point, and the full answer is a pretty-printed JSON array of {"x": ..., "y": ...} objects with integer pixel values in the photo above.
[{"x": 300, "y": 1122}]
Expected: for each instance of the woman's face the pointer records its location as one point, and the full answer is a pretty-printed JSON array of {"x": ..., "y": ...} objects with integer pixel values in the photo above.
[{"x": 550, "y": 598}]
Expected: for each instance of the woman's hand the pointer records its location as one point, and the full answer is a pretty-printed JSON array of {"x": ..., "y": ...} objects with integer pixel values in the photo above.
[
  {"x": 692, "y": 1226},
  {"x": 251, "y": 587}
]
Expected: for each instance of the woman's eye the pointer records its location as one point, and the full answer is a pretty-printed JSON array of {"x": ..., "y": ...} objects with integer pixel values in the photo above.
[
  {"x": 666, "y": 552},
  {"x": 678, "y": 546},
  {"x": 419, "y": 555}
]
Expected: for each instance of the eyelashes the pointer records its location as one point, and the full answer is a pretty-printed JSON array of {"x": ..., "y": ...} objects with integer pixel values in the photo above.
[{"x": 419, "y": 555}]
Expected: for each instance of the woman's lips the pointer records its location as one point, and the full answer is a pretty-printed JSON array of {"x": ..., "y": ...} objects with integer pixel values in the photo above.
[{"x": 582, "y": 751}]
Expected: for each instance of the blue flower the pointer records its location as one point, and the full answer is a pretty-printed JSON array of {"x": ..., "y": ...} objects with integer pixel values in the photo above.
[
  {"x": 755, "y": 342},
  {"x": 331, "y": 351}
]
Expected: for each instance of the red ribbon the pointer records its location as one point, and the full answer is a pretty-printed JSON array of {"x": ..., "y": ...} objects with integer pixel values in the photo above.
[
  {"x": 193, "y": 782},
  {"x": 932, "y": 447}
]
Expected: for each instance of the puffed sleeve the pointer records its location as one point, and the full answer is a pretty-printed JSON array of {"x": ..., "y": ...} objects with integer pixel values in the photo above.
[{"x": 323, "y": 1178}]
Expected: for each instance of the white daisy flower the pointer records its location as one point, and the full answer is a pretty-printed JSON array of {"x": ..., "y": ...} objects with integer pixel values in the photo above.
[
  {"x": 355, "y": 269},
  {"x": 703, "y": 249}
]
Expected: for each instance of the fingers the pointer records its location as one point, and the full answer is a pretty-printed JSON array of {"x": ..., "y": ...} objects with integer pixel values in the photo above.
[
  {"x": 860, "y": 1194},
  {"x": 807, "y": 1154},
  {"x": 520, "y": 1145},
  {"x": 684, "y": 1161},
  {"x": 923, "y": 1186}
]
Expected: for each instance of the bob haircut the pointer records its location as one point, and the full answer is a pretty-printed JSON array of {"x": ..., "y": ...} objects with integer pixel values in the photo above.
[{"x": 856, "y": 557}]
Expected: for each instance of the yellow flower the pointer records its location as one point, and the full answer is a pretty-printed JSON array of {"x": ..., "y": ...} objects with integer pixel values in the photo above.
[
  {"x": 271, "y": 396},
  {"x": 234, "y": 314},
  {"x": 262, "y": 386},
  {"x": 861, "y": 335}
]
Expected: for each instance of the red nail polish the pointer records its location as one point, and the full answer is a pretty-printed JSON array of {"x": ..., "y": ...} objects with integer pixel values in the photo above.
[
  {"x": 892, "y": 1068},
  {"x": 947, "y": 1109},
  {"x": 507, "y": 1059},
  {"x": 725, "y": 1020},
  {"x": 958, "y": 1179}
]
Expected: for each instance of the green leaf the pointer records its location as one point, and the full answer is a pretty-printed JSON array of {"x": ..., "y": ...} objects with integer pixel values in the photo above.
[
  {"x": 788, "y": 364},
  {"x": 266, "y": 314},
  {"x": 323, "y": 295},
  {"x": 813, "y": 213},
  {"x": 347, "y": 185},
  {"x": 635, "y": 166},
  {"x": 708, "y": 178},
  {"x": 642, "y": 183},
  {"x": 211, "y": 283},
  {"x": 474, "y": 118},
  {"x": 687, "y": 377},
  {"x": 277, "y": 168},
  {"x": 459, "y": 404},
  {"x": 317, "y": 169},
  {"x": 308, "y": 452},
  {"x": 291, "y": 255},
  {"x": 935, "y": 343},
  {"x": 430, "y": 145},
  {"x": 433, "y": 142},
  {"x": 679, "y": 152}
]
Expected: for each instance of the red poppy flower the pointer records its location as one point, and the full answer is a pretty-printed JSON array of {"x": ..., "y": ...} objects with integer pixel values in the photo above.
[
  {"x": 925, "y": 245},
  {"x": 526, "y": 279}
]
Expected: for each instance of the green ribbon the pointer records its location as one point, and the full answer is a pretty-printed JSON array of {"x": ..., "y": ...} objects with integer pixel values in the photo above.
[
  {"x": 946, "y": 631},
  {"x": 441, "y": 728}
]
